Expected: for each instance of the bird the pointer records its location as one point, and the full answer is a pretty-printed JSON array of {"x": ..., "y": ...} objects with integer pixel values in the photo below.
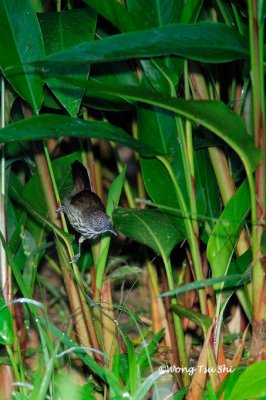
[{"x": 84, "y": 209}]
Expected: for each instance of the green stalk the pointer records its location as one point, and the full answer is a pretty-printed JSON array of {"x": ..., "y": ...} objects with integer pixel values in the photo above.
[
  {"x": 14, "y": 365},
  {"x": 256, "y": 35},
  {"x": 189, "y": 155},
  {"x": 190, "y": 234}
]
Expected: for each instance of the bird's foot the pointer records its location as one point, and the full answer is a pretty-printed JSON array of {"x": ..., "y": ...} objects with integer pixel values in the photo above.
[
  {"x": 60, "y": 209},
  {"x": 74, "y": 258}
]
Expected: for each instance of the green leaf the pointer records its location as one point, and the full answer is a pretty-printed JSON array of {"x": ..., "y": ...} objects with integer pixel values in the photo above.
[
  {"x": 112, "y": 202},
  {"x": 199, "y": 319},
  {"x": 204, "y": 41},
  {"x": 133, "y": 366},
  {"x": 6, "y": 324},
  {"x": 144, "y": 388},
  {"x": 60, "y": 31},
  {"x": 21, "y": 42},
  {"x": 213, "y": 115},
  {"x": 226, "y": 231},
  {"x": 115, "y": 192},
  {"x": 158, "y": 127},
  {"x": 18, "y": 197},
  {"x": 243, "y": 390},
  {"x": 149, "y": 350},
  {"x": 231, "y": 280},
  {"x": 124, "y": 272},
  {"x": 50, "y": 125},
  {"x": 98, "y": 370},
  {"x": 150, "y": 227}
]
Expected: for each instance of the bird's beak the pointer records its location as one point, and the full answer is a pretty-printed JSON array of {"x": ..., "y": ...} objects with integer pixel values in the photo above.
[{"x": 112, "y": 230}]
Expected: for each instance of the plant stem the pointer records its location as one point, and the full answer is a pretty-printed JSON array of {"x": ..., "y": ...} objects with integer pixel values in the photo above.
[
  {"x": 256, "y": 34},
  {"x": 193, "y": 245}
]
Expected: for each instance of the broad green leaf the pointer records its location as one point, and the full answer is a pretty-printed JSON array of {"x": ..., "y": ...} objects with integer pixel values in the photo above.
[
  {"x": 150, "y": 227},
  {"x": 50, "y": 125},
  {"x": 60, "y": 31},
  {"x": 213, "y": 115},
  {"x": 6, "y": 324},
  {"x": 204, "y": 41},
  {"x": 21, "y": 42},
  {"x": 243, "y": 390},
  {"x": 199, "y": 319},
  {"x": 226, "y": 231}
]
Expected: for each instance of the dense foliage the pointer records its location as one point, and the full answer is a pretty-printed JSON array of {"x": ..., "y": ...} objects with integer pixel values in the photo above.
[{"x": 163, "y": 101}]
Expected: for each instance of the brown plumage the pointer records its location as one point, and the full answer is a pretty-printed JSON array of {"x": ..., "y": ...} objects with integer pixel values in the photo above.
[{"x": 84, "y": 209}]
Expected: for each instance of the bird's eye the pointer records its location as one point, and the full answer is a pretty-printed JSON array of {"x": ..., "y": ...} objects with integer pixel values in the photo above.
[{"x": 99, "y": 223}]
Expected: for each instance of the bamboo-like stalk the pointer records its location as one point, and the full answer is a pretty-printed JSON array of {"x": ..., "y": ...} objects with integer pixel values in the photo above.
[
  {"x": 51, "y": 203},
  {"x": 221, "y": 170},
  {"x": 256, "y": 35},
  {"x": 256, "y": 40},
  {"x": 158, "y": 311}
]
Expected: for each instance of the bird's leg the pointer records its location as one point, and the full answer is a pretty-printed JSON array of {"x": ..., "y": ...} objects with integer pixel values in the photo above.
[
  {"x": 76, "y": 256},
  {"x": 61, "y": 209}
]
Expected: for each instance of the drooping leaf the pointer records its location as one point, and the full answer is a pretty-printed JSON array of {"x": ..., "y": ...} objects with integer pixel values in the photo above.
[
  {"x": 21, "y": 42},
  {"x": 213, "y": 115},
  {"x": 204, "y": 41},
  {"x": 49, "y": 125},
  {"x": 150, "y": 227},
  {"x": 231, "y": 281}
]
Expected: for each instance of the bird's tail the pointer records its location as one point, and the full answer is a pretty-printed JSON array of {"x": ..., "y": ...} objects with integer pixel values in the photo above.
[{"x": 80, "y": 177}]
